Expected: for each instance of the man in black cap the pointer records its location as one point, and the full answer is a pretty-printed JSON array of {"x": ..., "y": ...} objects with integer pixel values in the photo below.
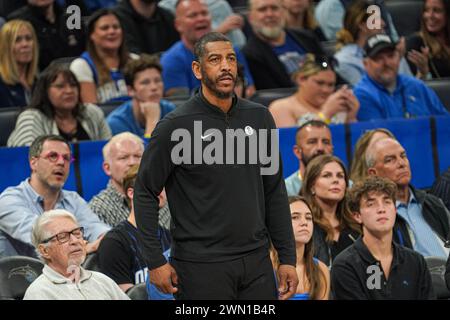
[{"x": 384, "y": 93}]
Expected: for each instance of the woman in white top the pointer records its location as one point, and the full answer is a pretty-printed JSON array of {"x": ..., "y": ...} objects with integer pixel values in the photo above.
[
  {"x": 99, "y": 69},
  {"x": 316, "y": 97}
]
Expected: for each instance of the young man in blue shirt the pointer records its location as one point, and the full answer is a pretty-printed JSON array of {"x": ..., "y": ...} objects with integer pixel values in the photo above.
[{"x": 146, "y": 108}]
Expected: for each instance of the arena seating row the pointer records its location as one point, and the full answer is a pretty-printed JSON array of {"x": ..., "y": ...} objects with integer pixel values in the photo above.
[{"x": 425, "y": 140}]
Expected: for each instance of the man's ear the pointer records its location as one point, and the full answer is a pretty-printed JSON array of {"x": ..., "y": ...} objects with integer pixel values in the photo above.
[
  {"x": 196, "y": 70},
  {"x": 43, "y": 251},
  {"x": 131, "y": 91},
  {"x": 297, "y": 152},
  {"x": 130, "y": 193},
  {"x": 372, "y": 171},
  {"x": 357, "y": 217},
  {"x": 107, "y": 168}
]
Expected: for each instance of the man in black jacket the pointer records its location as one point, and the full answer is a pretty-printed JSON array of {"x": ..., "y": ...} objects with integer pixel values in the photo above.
[
  {"x": 274, "y": 53},
  {"x": 226, "y": 202},
  {"x": 422, "y": 219}
]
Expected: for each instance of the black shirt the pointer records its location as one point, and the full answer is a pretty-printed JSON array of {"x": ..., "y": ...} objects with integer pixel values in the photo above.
[
  {"x": 79, "y": 135},
  {"x": 220, "y": 211},
  {"x": 120, "y": 253},
  {"x": 152, "y": 35},
  {"x": 357, "y": 275},
  {"x": 55, "y": 39},
  {"x": 326, "y": 251}
]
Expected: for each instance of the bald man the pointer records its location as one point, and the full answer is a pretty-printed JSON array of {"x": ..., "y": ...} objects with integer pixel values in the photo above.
[{"x": 422, "y": 219}]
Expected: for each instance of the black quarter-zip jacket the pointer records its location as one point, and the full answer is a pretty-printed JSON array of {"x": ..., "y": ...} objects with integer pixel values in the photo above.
[{"x": 220, "y": 212}]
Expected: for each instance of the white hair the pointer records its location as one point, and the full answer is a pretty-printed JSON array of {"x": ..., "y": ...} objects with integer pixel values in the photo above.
[
  {"x": 39, "y": 232},
  {"x": 119, "y": 138}
]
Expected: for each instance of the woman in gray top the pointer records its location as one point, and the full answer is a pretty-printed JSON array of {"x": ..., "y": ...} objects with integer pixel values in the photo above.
[{"x": 55, "y": 108}]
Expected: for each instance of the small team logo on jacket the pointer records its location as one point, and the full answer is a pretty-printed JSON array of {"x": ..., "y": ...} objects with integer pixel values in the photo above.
[{"x": 230, "y": 146}]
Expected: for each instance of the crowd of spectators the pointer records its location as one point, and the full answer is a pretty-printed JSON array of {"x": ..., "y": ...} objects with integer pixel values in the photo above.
[{"x": 139, "y": 55}]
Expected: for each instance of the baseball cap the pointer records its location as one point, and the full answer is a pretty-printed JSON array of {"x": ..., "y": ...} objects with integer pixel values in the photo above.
[{"x": 376, "y": 43}]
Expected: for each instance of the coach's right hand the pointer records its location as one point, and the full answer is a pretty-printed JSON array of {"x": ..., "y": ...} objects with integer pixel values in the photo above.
[{"x": 164, "y": 278}]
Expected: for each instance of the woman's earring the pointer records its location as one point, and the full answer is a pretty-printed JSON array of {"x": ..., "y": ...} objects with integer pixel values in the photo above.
[{"x": 313, "y": 192}]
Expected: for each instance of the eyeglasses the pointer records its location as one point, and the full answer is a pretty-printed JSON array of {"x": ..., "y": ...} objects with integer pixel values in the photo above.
[
  {"x": 55, "y": 156},
  {"x": 63, "y": 237}
]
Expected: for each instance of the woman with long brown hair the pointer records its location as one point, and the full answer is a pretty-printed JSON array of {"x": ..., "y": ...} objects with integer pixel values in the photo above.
[
  {"x": 99, "y": 69},
  {"x": 433, "y": 39},
  {"x": 313, "y": 275},
  {"x": 324, "y": 188}
]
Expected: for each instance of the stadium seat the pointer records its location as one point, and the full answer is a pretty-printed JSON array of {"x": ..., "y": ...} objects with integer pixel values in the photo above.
[
  {"x": 436, "y": 266},
  {"x": 178, "y": 100},
  {"x": 138, "y": 292},
  {"x": 442, "y": 89},
  {"x": 8, "y": 117},
  {"x": 91, "y": 262},
  {"x": 16, "y": 275},
  {"x": 266, "y": 96},
  {"x": 109, "y": 107},
  {"x": 406, "y": 15}
]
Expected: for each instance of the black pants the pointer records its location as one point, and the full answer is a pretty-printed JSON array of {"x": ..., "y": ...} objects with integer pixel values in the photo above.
[{"x": 247, "y": 278}]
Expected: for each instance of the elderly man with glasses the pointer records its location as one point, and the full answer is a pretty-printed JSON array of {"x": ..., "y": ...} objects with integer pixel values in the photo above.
[
  {"x": 20, "y": 206},
  {"x": 58, "y": 238}
]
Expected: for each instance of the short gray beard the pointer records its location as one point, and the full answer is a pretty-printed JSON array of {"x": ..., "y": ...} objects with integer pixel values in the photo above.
[{"x": 271, "y": 33}]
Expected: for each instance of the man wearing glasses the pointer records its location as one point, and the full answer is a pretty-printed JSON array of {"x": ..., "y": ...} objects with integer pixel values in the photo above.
[
  {"x": 58, "y": 238},
  {"x": 50, "y": 159}
]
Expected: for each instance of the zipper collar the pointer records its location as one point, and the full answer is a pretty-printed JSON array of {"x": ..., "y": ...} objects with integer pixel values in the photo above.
[{"x": 214, "y": 109}]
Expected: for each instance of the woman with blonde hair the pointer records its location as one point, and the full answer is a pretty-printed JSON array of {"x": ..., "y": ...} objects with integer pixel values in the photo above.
[
  {"x": 18, "y": 63},
  {"x": 324, "y": 188},
  {"x": 351, "y": 39},
  {"x": 433, "y": 39},
  {"x": 358, "y": 169},
  {"x": 313, "y": 275},
  {"x": 316, "y": 97}
]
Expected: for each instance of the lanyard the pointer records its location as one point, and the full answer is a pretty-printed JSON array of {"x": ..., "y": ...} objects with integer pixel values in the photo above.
[{"x": 406, "y": 113}]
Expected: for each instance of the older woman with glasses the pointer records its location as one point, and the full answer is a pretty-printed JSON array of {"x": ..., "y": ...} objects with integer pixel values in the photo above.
[
  {"x": 316, "y": 97},
  {"x": 59, "y": 241},
  {"x": 56, "y": 108}
]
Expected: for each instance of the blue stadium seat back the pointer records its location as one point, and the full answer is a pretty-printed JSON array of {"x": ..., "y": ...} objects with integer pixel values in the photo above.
[
  {"x": 443, "y": 139},
  {"x": 287, "y": 141},
  {"x": 416, "y": 139},
  {"x": 138, "y": 292},
  {"x": 93, "y": 177},
  {"x": 16, "y": 168},
  {"x": 16, "y": 275},
  {"x": 339, "y": 143},
  {"x": 436, "y": 266}
]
